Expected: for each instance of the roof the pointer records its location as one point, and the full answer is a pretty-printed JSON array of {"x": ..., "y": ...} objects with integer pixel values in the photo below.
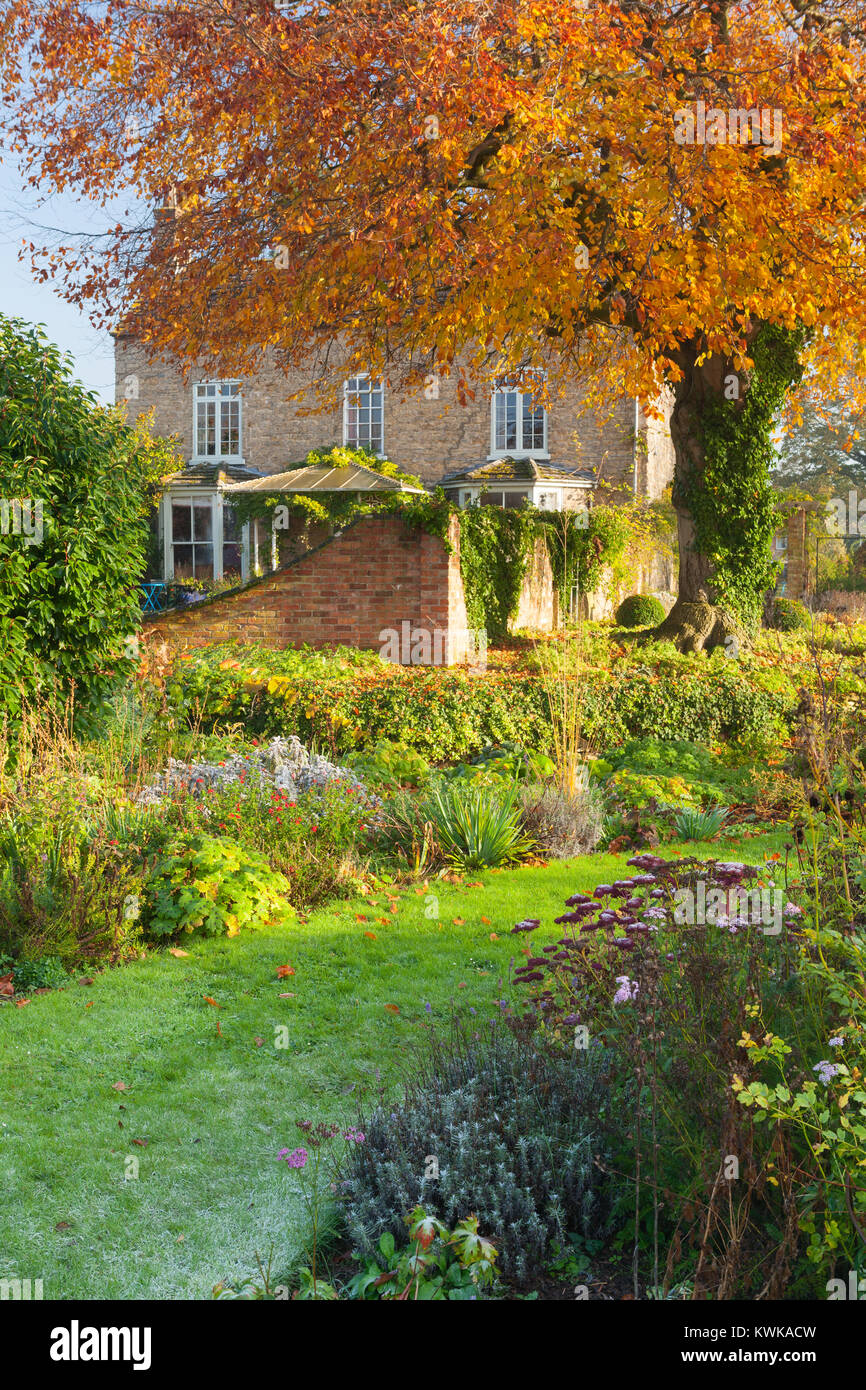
[
  {"x": 302, "y": 479},
  {"x": 212, "y": 475},
  {"x": 522, "y": 470}
]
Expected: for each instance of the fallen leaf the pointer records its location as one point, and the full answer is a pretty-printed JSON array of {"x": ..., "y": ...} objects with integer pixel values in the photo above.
[
  {"x": 86, "y": 980},
  {"x": 6, "y": 985},
  {"x": 371, "y": 934},
  {"x": 383, "y": 921},
  {"x": 475, "y": 885},
  {"x": 89, "y": 1004},
  {"x": 459, "y": 921},
  {"x": 207, "y": 999},
  {"x": 486, "y": 921},
  {"x": 462, "y": 984},
  {"x": 63, "y": 1225},
  {"x": 118, "y": 1085},
  {"x": 493, "y": 936},
  {"x": 142, "y": 1143},
  {"x": 259, "y": 1042},
  {"x": 176, "y": 951},
  {"x": 287, "y": 996},
  {"x": 283, "y": 971},
  {"x": 392, "y": 1008},
  {"x": 19, "y": 1003},
  {"x": 360, "y": 917}
]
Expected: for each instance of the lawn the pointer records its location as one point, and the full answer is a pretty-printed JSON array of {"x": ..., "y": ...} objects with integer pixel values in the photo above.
[{"x": 209, "y": 1096}]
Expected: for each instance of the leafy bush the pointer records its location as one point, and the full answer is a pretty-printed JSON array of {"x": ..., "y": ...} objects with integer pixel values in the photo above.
[
  {"x": 514, "y": 1133},
  {"x": 67, "y": 596},
  {"x": 62, "y": 894},
  {"x": 311, "y": 838},
  {"x": 211, "y": 886},
  {"x": 389, "y": 763},
  {"x": 790, "y": 616},
  {"x": 28, "y": 975},
  {"x": 562, "y": 826},
  {"x": 640, "y": 610},
  {"x": 668, "y": 970},
  {"x": 440, "y": 1265},
  {"x": 476, "y": 827},
  {"x": 445, "y": 714},
  {"x": 692, "y": 824}
]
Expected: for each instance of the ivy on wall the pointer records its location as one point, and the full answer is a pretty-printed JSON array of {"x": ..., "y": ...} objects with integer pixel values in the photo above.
[
  {"x": 495, "y": 546},
  {"x": 495, "y": 543}
]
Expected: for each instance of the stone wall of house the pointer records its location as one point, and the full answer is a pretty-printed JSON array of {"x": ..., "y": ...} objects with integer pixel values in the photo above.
[{"x": 427, "y": 437}]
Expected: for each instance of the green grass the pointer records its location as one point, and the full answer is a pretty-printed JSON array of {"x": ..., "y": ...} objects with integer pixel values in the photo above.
[{"x": 214, "y": 1109}]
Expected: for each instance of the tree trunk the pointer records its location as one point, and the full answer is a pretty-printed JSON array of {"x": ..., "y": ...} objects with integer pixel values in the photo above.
[{"x": 696, "y": 622}]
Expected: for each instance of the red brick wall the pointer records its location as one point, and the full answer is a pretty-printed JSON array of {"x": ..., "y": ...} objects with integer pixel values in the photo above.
[{"x": 377, "y": 575}]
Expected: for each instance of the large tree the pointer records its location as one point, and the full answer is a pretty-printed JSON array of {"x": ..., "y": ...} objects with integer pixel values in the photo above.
[{"x": 494, "y": 183}]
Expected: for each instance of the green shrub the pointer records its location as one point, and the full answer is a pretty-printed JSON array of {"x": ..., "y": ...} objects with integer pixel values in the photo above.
[
  {"x": 446, "y": 715},
  {"x": 441, "y": 1264},
  {"x": 640, "y": 610},
  {"x": 692, "y": 824},
  {"x": 311, "y": 839},
  {"x": 63, "y": 895},
  {"x": 389, "y": 763},
  {"x": 27, "y": 975},
  {"x": 476, "y": 827},
  {"x": 68, "y": 600},
  {"x": 212, "y": 886},
  {"x": 514, "y": 1132},
  {"x": 562, "y": 826},
  {"x": 790, "y": 616}
]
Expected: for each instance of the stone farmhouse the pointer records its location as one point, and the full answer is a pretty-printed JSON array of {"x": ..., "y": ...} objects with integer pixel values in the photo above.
[{"x": 500, "y": 449}]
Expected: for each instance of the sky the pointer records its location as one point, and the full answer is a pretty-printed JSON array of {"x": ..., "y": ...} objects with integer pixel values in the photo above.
[{"x": 21, "y": 296}]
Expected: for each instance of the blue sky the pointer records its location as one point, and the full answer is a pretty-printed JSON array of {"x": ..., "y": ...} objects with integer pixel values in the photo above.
[{"x": 21, "y": 296}]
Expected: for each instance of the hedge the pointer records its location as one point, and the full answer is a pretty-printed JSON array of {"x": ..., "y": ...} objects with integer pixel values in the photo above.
[{"x": 448, "y": 715}]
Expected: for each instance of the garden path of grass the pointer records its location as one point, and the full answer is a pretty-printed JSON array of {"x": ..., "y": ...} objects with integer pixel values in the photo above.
[{"x": 215, "y": 1106}]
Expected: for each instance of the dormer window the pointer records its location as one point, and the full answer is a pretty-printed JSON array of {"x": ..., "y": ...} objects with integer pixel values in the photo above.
[
  {"x": 518, "y": 420},
  {"x": 364, "y": 414},
  {"x": 217, "y": 422}
]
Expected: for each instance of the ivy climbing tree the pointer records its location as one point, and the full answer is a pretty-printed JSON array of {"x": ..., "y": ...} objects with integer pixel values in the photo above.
[{"x": 644, "y": 196}]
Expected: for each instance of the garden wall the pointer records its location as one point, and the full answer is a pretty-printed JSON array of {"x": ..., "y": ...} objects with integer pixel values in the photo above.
[{"x": 376, "y": 576}]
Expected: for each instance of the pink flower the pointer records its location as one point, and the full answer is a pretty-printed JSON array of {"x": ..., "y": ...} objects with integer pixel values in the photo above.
[{"x": 297, "y": 1158}]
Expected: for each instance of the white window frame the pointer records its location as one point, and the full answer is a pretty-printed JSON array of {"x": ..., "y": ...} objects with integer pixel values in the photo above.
[
  {"x": 350, "y": 387},
  {"x": 217, "y": 500},
  {"x": 524, "y": 404},
  {"x": 217, "y": 457},
  {"x": 554, "y": 493}
]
